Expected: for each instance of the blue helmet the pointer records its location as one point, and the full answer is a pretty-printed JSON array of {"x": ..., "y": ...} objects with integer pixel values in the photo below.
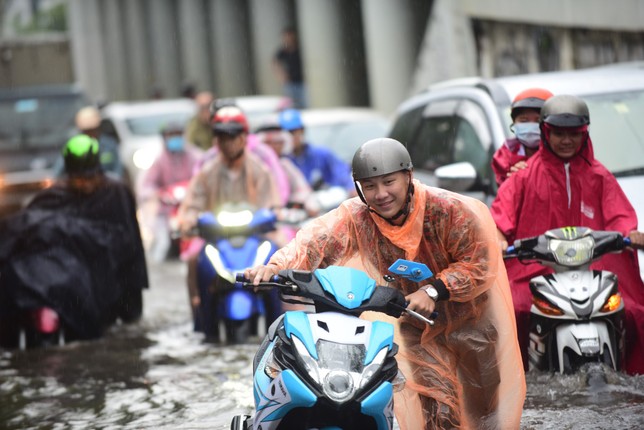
[{"x": 290, "y": 119}]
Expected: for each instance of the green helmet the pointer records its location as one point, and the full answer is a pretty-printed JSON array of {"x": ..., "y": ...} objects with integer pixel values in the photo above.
[
  {"x": 379, "y": 157},
  {"x": 81, "y": 155}
]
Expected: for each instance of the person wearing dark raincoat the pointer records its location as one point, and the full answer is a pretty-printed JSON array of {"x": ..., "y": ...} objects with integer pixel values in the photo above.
[
  {"x": 76, "y": 248},
  {"x": 465, "y": 371},
  {"x": 566, "y": 186}
]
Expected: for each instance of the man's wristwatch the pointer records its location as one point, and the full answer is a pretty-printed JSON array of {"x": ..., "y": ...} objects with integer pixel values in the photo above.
[{"x": 432, "y": 293}]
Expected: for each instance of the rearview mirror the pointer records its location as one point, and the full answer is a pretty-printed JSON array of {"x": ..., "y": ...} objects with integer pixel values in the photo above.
[{"x": 456, "y": 177}]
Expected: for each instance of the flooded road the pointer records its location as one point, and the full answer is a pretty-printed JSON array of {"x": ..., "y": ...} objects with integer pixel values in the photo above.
[{"x": 157, "y": 374}]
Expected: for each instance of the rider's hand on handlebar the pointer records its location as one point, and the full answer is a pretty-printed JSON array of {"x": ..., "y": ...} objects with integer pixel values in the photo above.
[
  {"x": 637, "y": 239},
  {"x": 261, "y": 273},
  {"x": 188, "y": 226},
  {"x": 420, "y": 302}
]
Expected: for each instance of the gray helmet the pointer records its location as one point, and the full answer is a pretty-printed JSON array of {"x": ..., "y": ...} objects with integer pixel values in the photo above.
[
  {"x": 565, "y": 111},
  {"x": 378, "y": 157}
]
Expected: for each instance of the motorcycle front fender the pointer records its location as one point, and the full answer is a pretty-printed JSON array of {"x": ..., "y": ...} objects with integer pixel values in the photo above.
[
  {"x": 239, "y": 304},
  {"x": 585, "y": 339}
]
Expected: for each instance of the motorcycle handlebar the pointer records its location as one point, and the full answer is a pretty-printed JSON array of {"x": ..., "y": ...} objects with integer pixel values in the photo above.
[{"x": 278, "y": 281}]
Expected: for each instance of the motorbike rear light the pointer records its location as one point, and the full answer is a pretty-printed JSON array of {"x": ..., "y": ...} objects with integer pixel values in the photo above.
[
  {"x": 612, "y": 303},
  {"x": 45, "y": 320},
  {"x": 546, "y": 307}
]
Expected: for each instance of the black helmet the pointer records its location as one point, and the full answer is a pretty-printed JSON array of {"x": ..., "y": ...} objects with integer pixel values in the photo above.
[
  {"x": 378, "y": 157},
  {"x": 81, "y": 155},
  {"x": 565, "y": 111}
]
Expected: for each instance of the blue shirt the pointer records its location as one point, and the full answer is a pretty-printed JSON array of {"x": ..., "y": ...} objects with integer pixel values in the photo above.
[{"x": 321, "y": 167}]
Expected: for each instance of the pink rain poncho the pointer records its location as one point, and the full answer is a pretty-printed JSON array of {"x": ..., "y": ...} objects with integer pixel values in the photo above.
[
  {"x": 550, "y": 194},
  {"x": 505, "y": 157},
  {"x": 464, "y": 372}
]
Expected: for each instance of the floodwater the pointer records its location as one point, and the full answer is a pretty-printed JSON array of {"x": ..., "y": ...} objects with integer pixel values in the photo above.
[{"x": 157, "y": 374}]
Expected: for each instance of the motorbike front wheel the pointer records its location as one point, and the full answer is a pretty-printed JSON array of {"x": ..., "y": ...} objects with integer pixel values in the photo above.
[{"x": 237, "y": 331}]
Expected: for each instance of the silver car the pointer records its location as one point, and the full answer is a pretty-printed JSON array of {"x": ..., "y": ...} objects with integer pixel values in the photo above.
[
  {"x": 453, "y": 128},
  {"x": 138, "y": 124}
]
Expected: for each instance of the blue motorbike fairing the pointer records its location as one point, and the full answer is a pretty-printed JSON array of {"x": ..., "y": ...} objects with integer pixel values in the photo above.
[
  {"x": 290, "y": 393},
  {"x": 350, "y": 287},
  {"x": 261, "y": 381},
  {"x": 379, "y": 405},
  {"x": 264, "y": 218},
  {"x": 297, "y": 323},
  {"x": 238, "y": 258},
  {"x": 382, "y": 334}
]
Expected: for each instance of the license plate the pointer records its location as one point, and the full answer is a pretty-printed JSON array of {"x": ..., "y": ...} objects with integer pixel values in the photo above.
[{"x": 588, "y": 343}]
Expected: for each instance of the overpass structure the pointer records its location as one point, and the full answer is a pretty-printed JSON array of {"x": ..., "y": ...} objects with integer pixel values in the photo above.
[{"x": 355, "y": 52}]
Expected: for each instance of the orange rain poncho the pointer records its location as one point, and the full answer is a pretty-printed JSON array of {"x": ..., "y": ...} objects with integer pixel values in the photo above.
[{"x": 466, "y": 371}]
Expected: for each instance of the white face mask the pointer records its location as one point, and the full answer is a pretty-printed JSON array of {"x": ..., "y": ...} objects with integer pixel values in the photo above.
[{"x": 528, "y": 133}]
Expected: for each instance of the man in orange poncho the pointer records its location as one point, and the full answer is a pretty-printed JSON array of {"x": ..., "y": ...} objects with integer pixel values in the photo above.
[{"x": 464, "y": 372}]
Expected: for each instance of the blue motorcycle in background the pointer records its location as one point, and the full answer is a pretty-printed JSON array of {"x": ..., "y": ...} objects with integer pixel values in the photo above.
[
  {"x": 330, "y": 369},
  {"x": 235, "y": 240}
]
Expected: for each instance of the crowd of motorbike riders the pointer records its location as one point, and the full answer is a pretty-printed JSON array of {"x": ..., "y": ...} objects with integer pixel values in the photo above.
[{"x": 77, "y": 248}]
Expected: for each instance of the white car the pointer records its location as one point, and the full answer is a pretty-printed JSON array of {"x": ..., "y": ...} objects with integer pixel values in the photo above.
[
  {"x": 453, "y": 128},
  {"x": 138, "y": 124},
  {"x": 259, "y": 108},
  {"x": 343, "y": 129}
]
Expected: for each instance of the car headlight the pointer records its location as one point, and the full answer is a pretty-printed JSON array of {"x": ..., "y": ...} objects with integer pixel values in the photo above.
[
  {"x": 572, "y": 252},
  {"x": 143, "y": 158},
  {"x": 339, "y": 369}
]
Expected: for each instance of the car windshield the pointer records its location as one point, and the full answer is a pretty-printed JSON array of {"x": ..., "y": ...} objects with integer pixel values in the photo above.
[
  {"x": 345, "y": 138},
  {"x": 43, "y": 121},
  {"x": 617, "y": 131},
  {"x": 150, "y": 125}
]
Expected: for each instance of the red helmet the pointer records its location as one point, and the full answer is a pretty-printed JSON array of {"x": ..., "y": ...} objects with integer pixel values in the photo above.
[
  {"x": 532, "y": 98},
  {"x": 229, "y": 120}
]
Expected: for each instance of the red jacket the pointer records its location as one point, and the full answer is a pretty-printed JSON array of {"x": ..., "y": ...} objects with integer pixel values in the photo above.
[
  {"x": 537, "y": 199},
  {"x": 505, "y": 157}
]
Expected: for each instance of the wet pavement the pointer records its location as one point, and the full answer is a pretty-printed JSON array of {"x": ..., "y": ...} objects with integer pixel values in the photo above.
[{"x": 159, "y": 374}]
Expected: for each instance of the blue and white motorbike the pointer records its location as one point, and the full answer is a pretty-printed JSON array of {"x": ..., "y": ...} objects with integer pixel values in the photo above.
[
  {"x": 330, "y": 369},
  {"x": 577, "y": 314},
  {"x": 234, "y": 241}
]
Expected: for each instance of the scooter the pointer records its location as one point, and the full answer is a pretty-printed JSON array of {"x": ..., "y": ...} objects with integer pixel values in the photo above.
[
  {"x": 577, "y": 314},
  {"x": 234, "y": 241},
  {"x": 330, "y": 369},
  {"x": 170, "y": 199}
]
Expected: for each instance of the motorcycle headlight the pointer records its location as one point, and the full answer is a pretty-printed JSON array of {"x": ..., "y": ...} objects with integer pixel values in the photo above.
[
  {"x": 572, "y": 252},
  {"x": 339, "y": 369},
  {"x": 179, "y": 193},
  {"x": 234, "y": 219}
]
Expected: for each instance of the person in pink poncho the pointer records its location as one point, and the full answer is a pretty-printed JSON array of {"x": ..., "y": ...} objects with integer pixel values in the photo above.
[
  {"x": 566, "y": 186},
  {"x": 513, "y": 155}
]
